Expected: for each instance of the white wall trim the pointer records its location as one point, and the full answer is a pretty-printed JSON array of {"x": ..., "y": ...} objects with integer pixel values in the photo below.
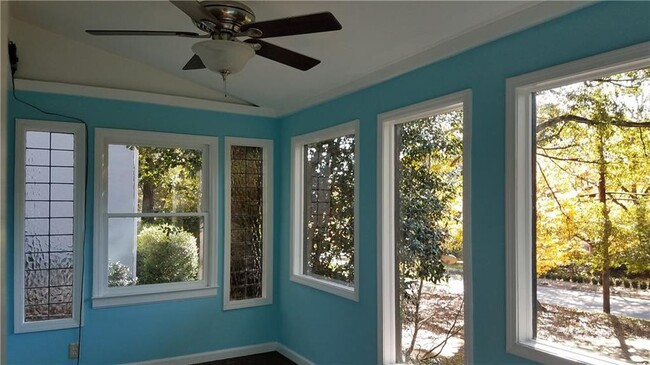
[
  {"x": 518, "y": 189},
  {"x": 267, "y": 226},
  {"x": 522, "y": 18},
  {"x": 387, "y": 307},
  {"x": 79, "y": 153},
  {"x": 292, "y": 355},
  {"x": 229, "y": 353},
  {"x": 104, "y": 296},
  {"x": 140, "y": 96},
  {"x": 296, "y": 264}
]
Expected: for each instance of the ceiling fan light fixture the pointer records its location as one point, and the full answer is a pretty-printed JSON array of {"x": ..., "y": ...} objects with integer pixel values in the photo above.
[{"x": 223, "y": 56}]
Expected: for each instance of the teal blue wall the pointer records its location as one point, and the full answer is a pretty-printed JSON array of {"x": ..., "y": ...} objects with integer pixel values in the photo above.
[
  {"x": 322, "y": 327},
  {"x": 146, "y": 331},
  {"x": 329, "y": 329}
]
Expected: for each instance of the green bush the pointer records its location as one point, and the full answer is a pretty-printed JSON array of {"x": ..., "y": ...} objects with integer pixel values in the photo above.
[
  {"x": 643, "y": 285},
  {"x": 166, "y": 254},
  {"x": 119, "y": 275}
]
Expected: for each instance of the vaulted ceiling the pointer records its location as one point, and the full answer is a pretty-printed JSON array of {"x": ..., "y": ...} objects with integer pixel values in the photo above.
[{"x": 379, "y": 40}]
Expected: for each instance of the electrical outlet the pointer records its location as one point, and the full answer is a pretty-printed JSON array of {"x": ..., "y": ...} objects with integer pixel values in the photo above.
[{"x": 73, "y": 350}]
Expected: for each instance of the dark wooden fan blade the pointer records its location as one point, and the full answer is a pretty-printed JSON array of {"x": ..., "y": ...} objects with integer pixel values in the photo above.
[
  {"x": 195, "y": 11},
  {"x": 304, "y": 24},
  {"x": 283, "y": 55},
  {"x": 142, "y": 32},
  {"x": 194, "y": 63}
]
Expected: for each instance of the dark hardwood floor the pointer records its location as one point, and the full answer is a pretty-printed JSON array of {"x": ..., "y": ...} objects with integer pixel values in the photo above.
[{"x": 267, "y": 358}]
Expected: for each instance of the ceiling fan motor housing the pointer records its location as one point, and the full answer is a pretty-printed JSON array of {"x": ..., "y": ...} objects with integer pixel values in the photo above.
[{"x": 230, "y": 14}]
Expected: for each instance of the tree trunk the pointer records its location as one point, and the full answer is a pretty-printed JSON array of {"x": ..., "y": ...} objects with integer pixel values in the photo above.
[
  {"x": 147, "y": 196},
  {"x": 607, "y": 227},
  {"x": 416, "y": 320}
]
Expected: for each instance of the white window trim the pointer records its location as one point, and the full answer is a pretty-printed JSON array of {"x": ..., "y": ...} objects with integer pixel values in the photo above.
[
  {"x": 386, "y": 303},
  {"x": 297, "y": 274},
  {"x": 79, "y": 132},
  {"x": 518, "y": 188},
  {"x": 103, "y": 296},
  {"x": 267, "y": 224}
]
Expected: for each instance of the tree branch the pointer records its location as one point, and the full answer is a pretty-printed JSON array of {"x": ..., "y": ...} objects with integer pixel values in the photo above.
[
  {"x": 566, "y": 158},
  {"x": 578, "y": 119}
]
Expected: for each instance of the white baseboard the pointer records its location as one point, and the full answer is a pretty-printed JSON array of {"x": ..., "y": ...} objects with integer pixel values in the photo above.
[
  {"x": 229, "y": 353},
  {"x": 292, "y": 355}
]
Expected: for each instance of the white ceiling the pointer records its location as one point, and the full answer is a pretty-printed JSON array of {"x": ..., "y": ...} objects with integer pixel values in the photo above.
[{"x": 379, "y": 39}]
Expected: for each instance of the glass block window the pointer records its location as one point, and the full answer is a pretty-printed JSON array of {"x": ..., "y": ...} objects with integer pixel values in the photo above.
[
  {"x": 50, "y": 191},
  {"x": 248, "y": 228},
  {"x": 324, "y": 209}
]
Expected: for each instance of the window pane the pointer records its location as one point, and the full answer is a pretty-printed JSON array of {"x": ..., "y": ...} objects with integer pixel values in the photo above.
[
  {"x": 49, "y": 226},
  {"x": 592, "y": 247},
  {"x": 246, "y": 241},
  {"x": 329, "y": 209},
  {"x": 145, "y": 251},
  {"x": 153, "y": 179}
]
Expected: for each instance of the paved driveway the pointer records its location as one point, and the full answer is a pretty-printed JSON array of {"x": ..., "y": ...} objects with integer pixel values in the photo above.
[{"x": 592, "y": 301}]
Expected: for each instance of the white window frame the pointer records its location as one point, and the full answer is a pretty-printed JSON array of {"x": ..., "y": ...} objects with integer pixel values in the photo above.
[
  {"x": 103, "y": 296},
  {"x": 79, "y": 132},
  {"x": 267, "y": 224},
  {"x": 386, "y": 270},
  {"x": 297, "y": 273},
  {"x": 519, "y": 306}
]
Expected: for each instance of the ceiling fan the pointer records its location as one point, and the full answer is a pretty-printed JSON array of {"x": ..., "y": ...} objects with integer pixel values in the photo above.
[{"x": 224, "y": 22}]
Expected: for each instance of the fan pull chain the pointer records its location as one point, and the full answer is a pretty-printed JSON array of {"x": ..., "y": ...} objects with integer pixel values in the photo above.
[{"x": 225, "y": 73}]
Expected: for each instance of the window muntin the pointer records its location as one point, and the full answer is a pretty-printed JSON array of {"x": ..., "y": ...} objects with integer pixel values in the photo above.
[
  {"x": 521, "y": 309},
  {"x": 154, "y": 241},
  {"x": 50, "y": 166},
  {"x": 324, "y": 207},
  {"x": 248, "y": 275}
]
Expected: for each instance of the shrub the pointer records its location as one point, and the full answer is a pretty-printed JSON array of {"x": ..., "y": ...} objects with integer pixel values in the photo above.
[
  {"x": 643, "y": 285},
  {"x": 626, "y": 283},
  {"x": 618, "y": 282},
  {"x": 119, "y": 275},
  {"x": 635, "y": 284},
  {"x": 594, "y": 281},
  {"x": 166, "y": 254}
]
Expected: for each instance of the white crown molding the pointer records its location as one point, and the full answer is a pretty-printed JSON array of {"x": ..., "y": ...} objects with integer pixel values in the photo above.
[
  {"x": 524, "y": 17},
  {"x": 141, "y": 97}
]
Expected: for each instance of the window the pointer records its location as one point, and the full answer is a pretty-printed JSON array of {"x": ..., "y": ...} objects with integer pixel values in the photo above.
[
  {"x": 571, "y": 151},
  {"x": 324, "y": 210},
  {"x": 50, "y": 170},
  {"x": 155, "y": 206},
  {"x": 248, "y": 274},
  {"x": 424, "y": 232}
]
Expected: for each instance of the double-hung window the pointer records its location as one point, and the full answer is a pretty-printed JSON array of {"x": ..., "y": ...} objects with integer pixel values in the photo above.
[
  {"x": 49, "y": 224},
  {"x": 155, "y": 215},
  {"x": 324, "y": 208},
  {"x": 577, "y": 210},
  {"x": 248, "y": 274}
]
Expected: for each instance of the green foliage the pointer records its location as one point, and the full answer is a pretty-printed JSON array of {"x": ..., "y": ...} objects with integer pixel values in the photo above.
[
  {"x": 330, "y": 229},
  {"x": 429, "y": 178},
  {"x": 430, "y": 184},
  {"x": 593, "y": 163},
  {"x": 169, "y": 180},
  {"x": 166, "y": 254},
  {"x": 120, "y": 275}
]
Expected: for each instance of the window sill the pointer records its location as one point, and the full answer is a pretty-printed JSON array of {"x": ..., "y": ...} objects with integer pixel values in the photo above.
[
  {"x": 113, "y": 300},
  {"x": 546, "y": 352},
  {"x": 48, "y": 325},
  {"x": 246, "y": 303},
  {"x": 327, "y": 286}
]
